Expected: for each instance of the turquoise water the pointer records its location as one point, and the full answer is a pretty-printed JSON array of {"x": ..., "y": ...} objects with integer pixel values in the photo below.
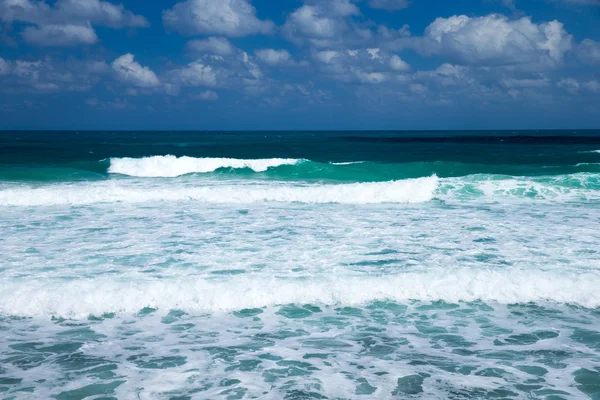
[{"x": 330, "y": 265}]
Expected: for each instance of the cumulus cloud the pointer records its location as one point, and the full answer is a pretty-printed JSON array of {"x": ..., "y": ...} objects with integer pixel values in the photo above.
[
  {"x": 194, "y": 74},
  {"x": 207, "y": 95},
  {"x": 46, "y": 75},
  {"x": 101, "y": 13},
  {"x": 574, "y": 86},
  {"x": 398, "y": 64},
  {"x": 447, "y": 75},
  {"x": 369, "y": 66},
  {"x": 389, "y": 4},
  {"x": 217, "y": 17},
  {"x": 592, "y": 86},
  {"x": 495, "y": 40},
  {"x": 319, "y": 23},
  {"x": 4, "y": 67},
  {"x": 274, "y": 57},
  {"x": 129, "y": 71},
  {"x": 512, "y": 83},
  {"x": 97, "y": 12},
  {"x": 213, "y": 45},
  {"x": 66, "y": 22},
  {"x": 236, "y": 71},
  {"x": 589, "y": 51},
  {"x": 59, "y": 35}
]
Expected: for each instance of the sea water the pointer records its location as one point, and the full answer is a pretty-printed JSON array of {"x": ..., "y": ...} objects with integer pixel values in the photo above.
[{"x": 299, "y": 265}]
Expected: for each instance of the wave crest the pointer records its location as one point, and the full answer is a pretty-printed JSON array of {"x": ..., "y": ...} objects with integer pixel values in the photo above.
[{"x": 171, "y": 166}]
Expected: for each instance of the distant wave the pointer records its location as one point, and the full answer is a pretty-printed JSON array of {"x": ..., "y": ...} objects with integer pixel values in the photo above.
[
  {"x": 404, "y": 191},
  {"x": 171, "y": 166},
  {"x": 347, "y": 163},
  {"x": 100, "y": 295}
]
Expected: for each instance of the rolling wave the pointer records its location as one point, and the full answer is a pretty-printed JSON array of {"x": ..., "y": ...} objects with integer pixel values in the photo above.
[
  {"x": 171, "y": 166},
  {"x": 405, "y": 191},
  {"x": 97, "y": 296},
  {"x": 562, "y": 188}
]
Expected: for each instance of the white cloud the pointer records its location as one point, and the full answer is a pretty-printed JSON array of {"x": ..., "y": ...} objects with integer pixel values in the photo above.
[
  {"x": 447, "y": 75},
  {"x": 42, "y": 76},
  {"x": 66, "y": 22},
  {"x": 369, "y": 66},
  {"x": 101, "y": 13},
  {"x": 574, "y": 86},
  {"x": 97, "y": 67},
  {"x": 59, "y": 35},
  {"x": 417, "y": 88},
  {"x": 589, "y": 51},
  {"x": 344, "y": 8},
  {"x": 368, "y": 77},
  {"x": 374, "y": 53},
  {"x": 207, "y": 95},
  {"x": 4, "y": 67},
  {"x": 569, "y": 84},
  {"x": 512, "y": 83},
  {"x": 214, "y": 45},
  {"x": 320, "y": 23},
  {"x": 194, "y": 74},
  {"x": 220, "y": 17},
  {"x": 398, "y": 64},
  {"x": 274, "y": 57},
  {"x": 130, "y": 71},
  {"x": 70, "y": 12},
  {"x": 389, "y": 4},
  {"x": 592, "y": 86},
  {"x": 327, "y": 56},
  {"x": 307, "y": 21},
  {"x": 494, "y": 40},
  {"x": 236, "y": 71}
]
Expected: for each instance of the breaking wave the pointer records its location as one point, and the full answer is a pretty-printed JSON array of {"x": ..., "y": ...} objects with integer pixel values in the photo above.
[
  {"x": 97, "y": 296},
  {"x": 171, "y": 166},
  {"x": 405, "y": 191}
]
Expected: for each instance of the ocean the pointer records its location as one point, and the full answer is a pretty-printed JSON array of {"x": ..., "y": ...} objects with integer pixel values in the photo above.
[{"x": 300, "y": 265}]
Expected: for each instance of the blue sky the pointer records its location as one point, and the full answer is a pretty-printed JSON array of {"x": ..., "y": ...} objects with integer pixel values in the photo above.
[{"x": 299, "y": 64}]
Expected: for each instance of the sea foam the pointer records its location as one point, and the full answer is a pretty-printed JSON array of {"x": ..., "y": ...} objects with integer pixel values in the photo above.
[{"x": 171, "y": 166}]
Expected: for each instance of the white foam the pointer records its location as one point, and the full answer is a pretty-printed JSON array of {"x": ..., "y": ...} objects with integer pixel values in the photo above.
[
  {"x": 96, "y": 296},
  {"x": 562, "y": 188},
  {"x": 171, "y": 166},
  {"x": 405, "y": 191},
  {"x": 347, "y": 163}
]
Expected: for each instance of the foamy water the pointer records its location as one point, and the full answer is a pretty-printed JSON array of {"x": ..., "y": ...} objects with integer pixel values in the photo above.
[{"x": 155, "y": 285}]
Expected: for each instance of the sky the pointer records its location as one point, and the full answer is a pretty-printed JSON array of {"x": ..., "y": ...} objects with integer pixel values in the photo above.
[{"x": 299, "y": 64}]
